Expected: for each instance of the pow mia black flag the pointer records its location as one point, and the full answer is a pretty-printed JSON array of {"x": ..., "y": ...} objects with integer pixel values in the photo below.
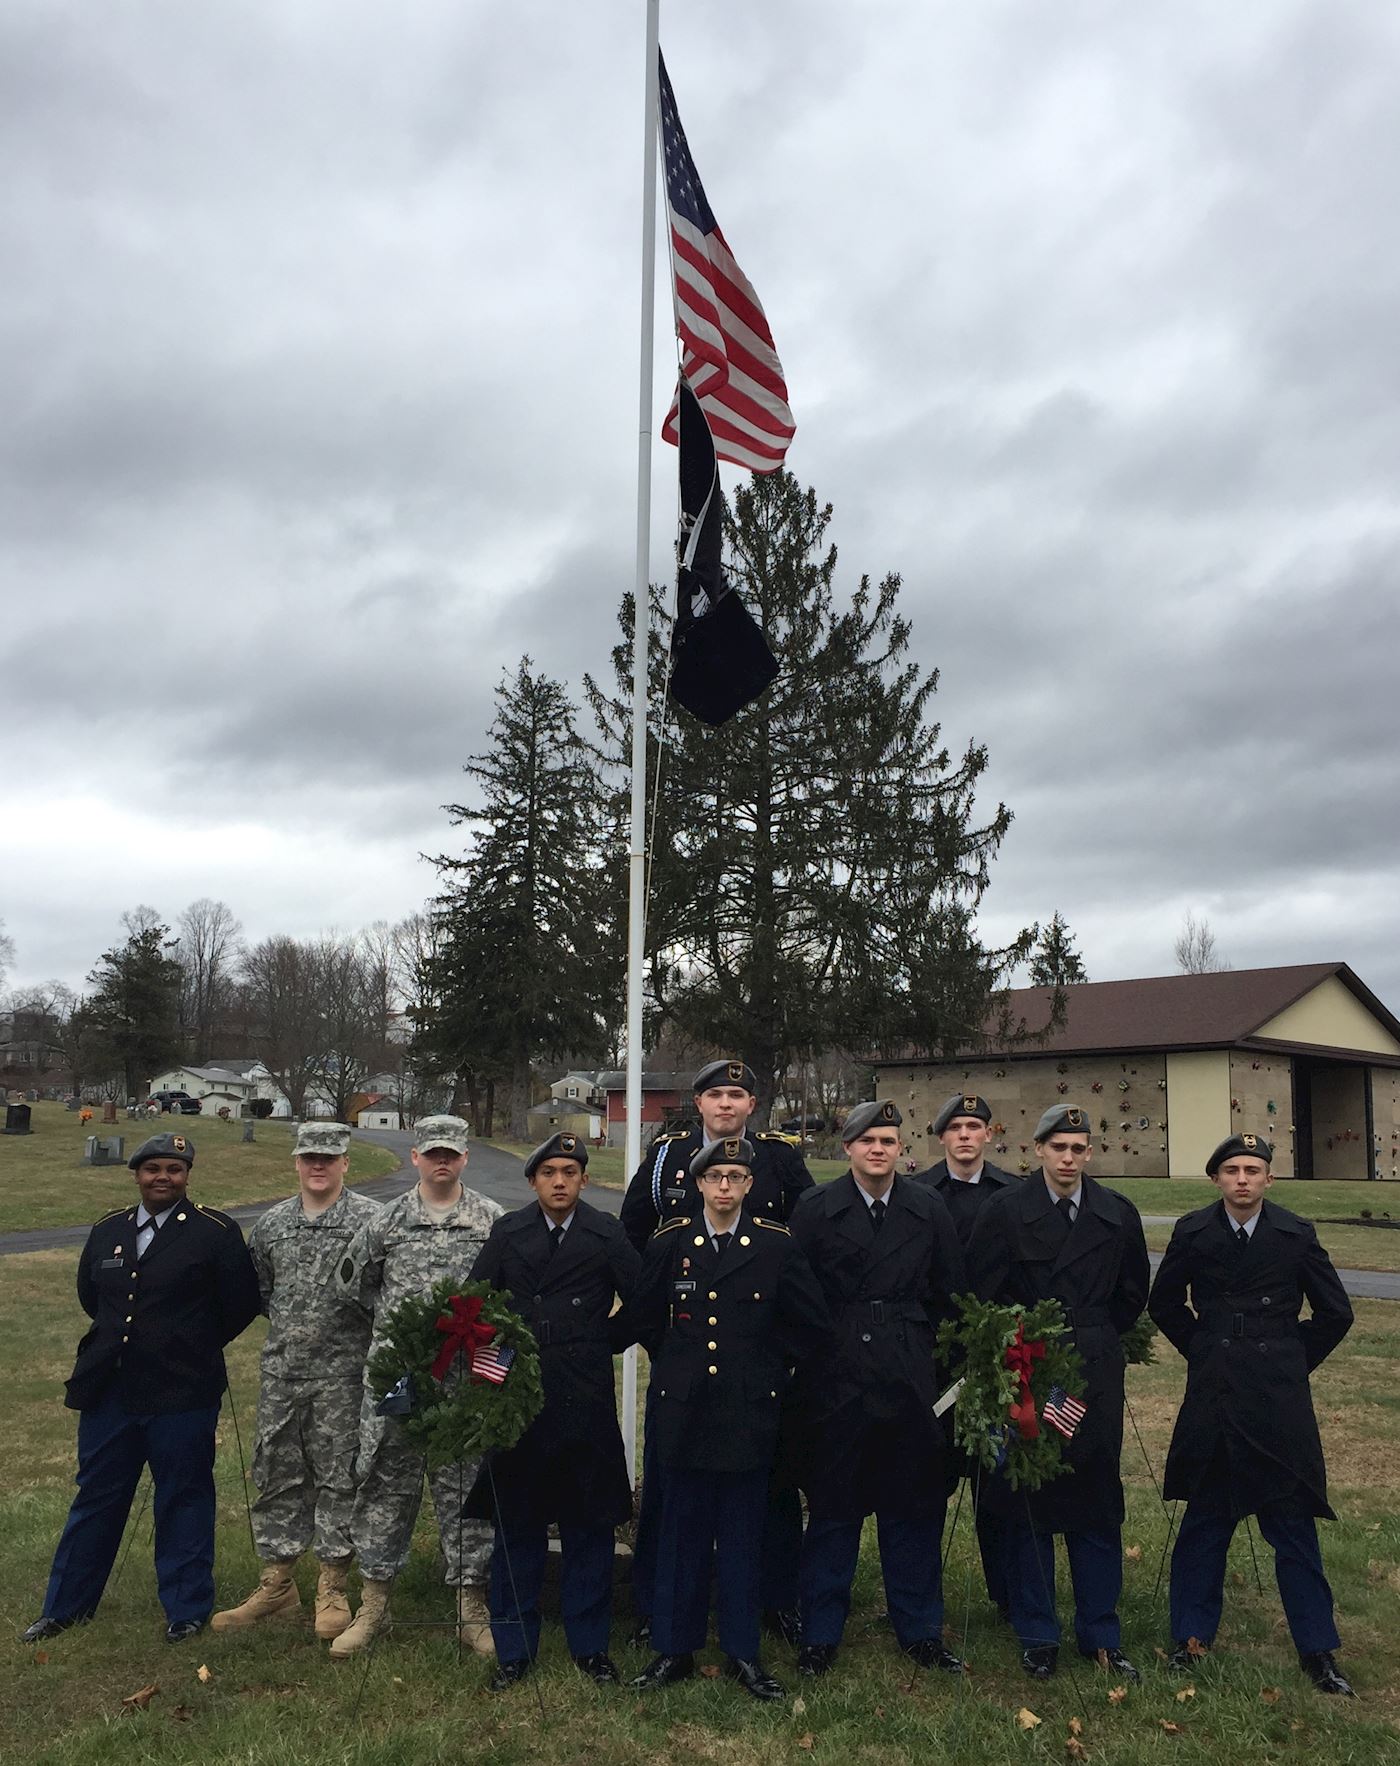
[{"x": 720, "y": 660}]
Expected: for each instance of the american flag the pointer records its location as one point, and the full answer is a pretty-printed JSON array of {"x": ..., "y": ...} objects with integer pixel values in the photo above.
[
  {"x": 1063, "y": 1412},
  {"x": 727, "y": 351},
  {"x": 493, "y": 1362}
]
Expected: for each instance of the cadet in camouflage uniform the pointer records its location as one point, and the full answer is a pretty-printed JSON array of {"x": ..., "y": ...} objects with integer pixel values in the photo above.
[
  {"x": 309, "y": 1396},
  {"x": 436, "y": 1230}
]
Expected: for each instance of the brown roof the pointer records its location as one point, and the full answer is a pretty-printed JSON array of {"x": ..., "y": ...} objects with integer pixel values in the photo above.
[{"x": 1166, "y": 1011}]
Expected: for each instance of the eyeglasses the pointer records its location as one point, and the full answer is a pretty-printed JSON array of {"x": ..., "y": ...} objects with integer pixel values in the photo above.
[{"x": 724, "y": 1178}]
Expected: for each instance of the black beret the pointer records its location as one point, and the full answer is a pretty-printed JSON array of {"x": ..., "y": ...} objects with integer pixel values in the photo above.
[
  {"x": 735, "y": 1151},
  {"x": 1062, "y": 1119},
  {"x": 558, "y": 1146},
  {"x": 1240, "y": 1146},
  {"x": 879, "y": 1113},
  {"x": 163, "y": 1146},
  {"x": 964, "y": 1104},
  {"x": 726, "y": 1073}
]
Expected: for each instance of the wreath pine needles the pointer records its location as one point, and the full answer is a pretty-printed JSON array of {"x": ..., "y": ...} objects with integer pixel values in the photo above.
[
  {"x": 1137, "y": 1342},
  {"x": 979, "y": 1339},
  {"x": 458, "y": 1417}
]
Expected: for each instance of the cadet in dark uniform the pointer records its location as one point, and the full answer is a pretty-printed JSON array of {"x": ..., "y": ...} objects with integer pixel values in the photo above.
[
  {"x": 1246, "y": 1439},
  {"x": 1061, "y": 1236},
  {"x": 967, "y": 1182},
  {"x": 724, "y": 1303},
  {"x": 560, "y": 1262},
  {"x": 661, "y": 1190},
  {"x": 888, "y": 1260},
  {"x": 166, "y": 1285}
]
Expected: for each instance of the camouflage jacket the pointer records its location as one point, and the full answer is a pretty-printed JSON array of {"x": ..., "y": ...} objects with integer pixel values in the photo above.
[
  {"x": 401, "y": 1252},
  {"x": 312, "y": 1332}
]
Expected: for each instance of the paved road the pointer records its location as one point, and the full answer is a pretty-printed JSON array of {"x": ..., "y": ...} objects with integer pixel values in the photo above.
[{"x": 498, "y": 1174}]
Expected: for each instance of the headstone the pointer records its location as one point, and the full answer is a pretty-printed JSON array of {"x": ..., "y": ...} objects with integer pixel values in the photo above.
[
  {"x": 247, "y": 1134},
  {"x": 17, "y": 1119},
  {"x": 109, "y": 1152},
  {"x": 132, "y": 1112},
  {"x": 72, "y": 1103},
  {"x": 109, "y": 1110}
]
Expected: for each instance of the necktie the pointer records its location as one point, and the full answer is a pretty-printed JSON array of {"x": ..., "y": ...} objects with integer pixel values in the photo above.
[
  {"x": 154, "y": 1225},
  {"x": 721, "y": 1243},
  {"x": 556, "y": 1234},
  {"x": 1067, "y": 1208},
  {"x": 877, "y": 1214},
  {"x": 1241, "y": 1238}
]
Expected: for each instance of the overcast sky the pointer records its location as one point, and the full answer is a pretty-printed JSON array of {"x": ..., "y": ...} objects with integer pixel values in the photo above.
[{"x": 318, "y": 365}]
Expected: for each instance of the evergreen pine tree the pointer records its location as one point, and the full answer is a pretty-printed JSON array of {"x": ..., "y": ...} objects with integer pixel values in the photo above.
[
  {"x": 134, "y": 1011},
  {"x": 1055, "y": 962}
]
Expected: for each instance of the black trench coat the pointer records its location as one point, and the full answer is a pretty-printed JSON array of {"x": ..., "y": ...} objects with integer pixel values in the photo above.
[
  {"x": 1099, "y": 1273},
  {"x": 1248, "y": 1404},
  {"x": 864, "y": 1436},
  {"x": 569, "y": 1465}
]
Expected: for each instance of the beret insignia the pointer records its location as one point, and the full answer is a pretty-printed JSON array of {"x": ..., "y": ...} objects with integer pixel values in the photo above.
[
  {"x": 733, "y": 1148},
  {"x": 736, "y": 1072},
  {"x": 1075, "y": 1118},
  {"x": 887, "y": 1113},
  {"x": 178, "y": 1142},
  {"x": 1250, "y": 1140},
  {"x": 969, "y": 1104},
  {"x": 568, "y": 1143}
]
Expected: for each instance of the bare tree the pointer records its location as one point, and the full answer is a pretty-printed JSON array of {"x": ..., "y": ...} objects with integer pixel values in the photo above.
[
  {"x": 207, "y": 952},
  {"x": 282, "y": 977},
  {"x": 7, "y": 952},
  {"x": 1195, "y": 948},
  {"x": 356, "y": 984},
  {"x": 138, "y": 921}
]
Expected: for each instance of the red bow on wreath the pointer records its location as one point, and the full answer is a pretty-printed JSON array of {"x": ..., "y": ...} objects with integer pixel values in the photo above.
[
  {"x": 464, "y": 1330},
  {"x": 1021, "y": 1357}
]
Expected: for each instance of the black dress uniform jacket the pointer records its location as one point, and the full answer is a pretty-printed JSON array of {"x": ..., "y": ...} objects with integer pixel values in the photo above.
[
  {"x": 1022, "y": 1252},
  {"x": 662, "y": 1188},
  {"x": 1248, "y": 1355},
  {"x": 721, "y": 1332},
  {"x": 964, "y": 1201},
  {"x": 569, "y": 1465},
  {"x": 864, "y": 1426},
  {"x": 160, "y": 1324}
]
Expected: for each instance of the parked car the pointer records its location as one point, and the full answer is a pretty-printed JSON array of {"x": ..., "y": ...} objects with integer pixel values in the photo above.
[
  {"x": 811, "y": 1127},
  {"x": 178, "y": 1103}
]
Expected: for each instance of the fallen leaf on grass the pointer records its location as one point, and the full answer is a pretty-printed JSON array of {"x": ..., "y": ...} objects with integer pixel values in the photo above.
[
  {"x": 1196, "y": 1649},
  {"x": 1169, "y": 1728},
  {"x": 799, "y": 1707},
  {"x": 1236, "y": 1579},
  {"x": 1101, "y": 1657},
  {"x": 182, "y": 1714},
  {"x": 398, "y": 1680},
  {"x": 1116, "y": 1694},
  {"x": 1133, "y": 1554},
  {"x": 710, "y": 1671},
  {"x": 1270, "y": 1695},
  {"x": 205, "y": 1673},
  {"x": 808, "y": 1741},
  {"x": 1075, "y": 1749},
  {"x": 879, "y": 1713},
  {"x": 40, "y": 1657},
  {"x": 1187, "y": 1692},
  {"x": 1075, "y": 1726},
  {"x": 1027, "y": 1719},
  {"x": 1160, "y": 1653},
  {"x": 137, "y": 1701}
]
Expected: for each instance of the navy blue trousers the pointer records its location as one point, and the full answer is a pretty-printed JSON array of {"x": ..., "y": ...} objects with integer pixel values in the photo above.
[
  {"x": 711, "y": 1528},
  {"x": 113, "y": 1449},
  {"x": 518, "y": 1560},
  {"x": 1096, "y": 1572},
  {"x": 1198, "y": 1572},
  {"x": 911, "y": 1563},
  {"x": 782, "y": 1543}
]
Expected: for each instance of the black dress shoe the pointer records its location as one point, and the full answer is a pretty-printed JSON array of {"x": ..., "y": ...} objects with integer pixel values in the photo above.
[
  {"x": 43, "y": 1629},
  {"x": 641, "y": 1637},
  {"x": 931, "y": 1652},
  {"x": 1039, "y": 1661},
  {"x": 183, "y": 1629},
  {"x": 1325, "y": 1675},
  {"x": 663, "y": 1671},
  {"x": 1183, "y": 1659},
  {"x": 815, "y": 1659},
  {"x": 599, "y": 1668},
  {"x": 784, "y": 1622},
  {"x": 1116, "y": 1661},
  {"x": 507, "y": 1673},
  {"x": 754, "y": 1679}
]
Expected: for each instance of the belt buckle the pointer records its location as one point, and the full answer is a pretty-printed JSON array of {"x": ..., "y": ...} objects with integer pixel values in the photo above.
[
  {"x": 877, "y": 1312},
  {"x": 543, "y": 1333},
  {"x": 1237, "y": 1324}
]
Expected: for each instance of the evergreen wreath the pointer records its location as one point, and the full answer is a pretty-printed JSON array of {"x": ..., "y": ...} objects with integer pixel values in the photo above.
[
  {"x": 1137, "y": 1342},
  {"x": 459, "y": 1415},
  {"x": 996, "y": 1416}
]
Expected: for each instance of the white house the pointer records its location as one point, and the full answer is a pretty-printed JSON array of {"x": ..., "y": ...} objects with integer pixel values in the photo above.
[{"x": 216, "y": 1088}]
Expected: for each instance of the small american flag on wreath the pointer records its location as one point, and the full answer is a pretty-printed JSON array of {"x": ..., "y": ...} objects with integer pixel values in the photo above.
[
  {"x": 493, "y": 1362},
  {"x": 1061, "y": 1411}
]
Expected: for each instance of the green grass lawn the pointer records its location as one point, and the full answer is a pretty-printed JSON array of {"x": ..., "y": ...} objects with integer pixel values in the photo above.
[
  {"x": 43, "y": 1182},
  {"x": 273, "y": 1698}
]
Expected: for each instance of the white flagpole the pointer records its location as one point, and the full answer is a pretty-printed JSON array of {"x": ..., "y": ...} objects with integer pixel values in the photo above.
[{"x": 637, "y": 856}]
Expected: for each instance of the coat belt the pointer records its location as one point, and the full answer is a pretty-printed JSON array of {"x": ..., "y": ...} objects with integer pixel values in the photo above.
[
  {"x": 885, "y": 1312},
  {"x": 1249, "y": 1324}
]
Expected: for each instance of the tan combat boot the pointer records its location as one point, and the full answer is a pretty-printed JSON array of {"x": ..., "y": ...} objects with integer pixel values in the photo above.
[
  {"x": 370, "y": 1621},
  {"x": 474, "y": 1621},
  {"x": 275, "y": 1597},
  {"x": 332, "y": 1602}
]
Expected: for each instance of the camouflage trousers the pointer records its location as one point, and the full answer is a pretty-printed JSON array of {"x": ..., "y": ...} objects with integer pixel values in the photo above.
[
  {"x": 389, "y": 1478},
  {"x": 304, "y": 1468}
]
